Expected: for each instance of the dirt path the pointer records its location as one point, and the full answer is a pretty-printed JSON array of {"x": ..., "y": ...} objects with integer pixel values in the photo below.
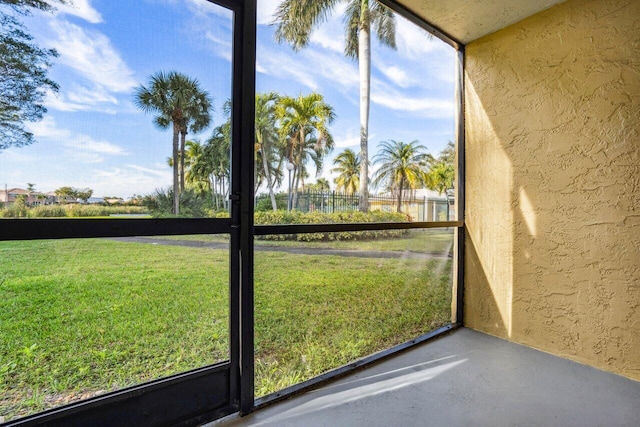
[{"x": 299, "y": 250}]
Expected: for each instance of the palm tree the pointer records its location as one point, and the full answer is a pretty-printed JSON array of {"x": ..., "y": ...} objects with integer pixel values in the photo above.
[
  {"x": 402, "y": 166},
  {"x": 179, "y": 102},
  {"x": 323, "y": 185},
  {"x": 194, "y": 160},
  {"x": 304, "y": 129},
  {"x": 348, "y": 169},
  {"x": 216, "y": 163},
  {"x": 266, "y": 142},
  {"x": 442, "y": 172},
  {"x": 64, "y": 193},
  {"x": 440, "y": 177},
  {"x": 30, "y": 188},
  {"x": 295, "y": 19}
]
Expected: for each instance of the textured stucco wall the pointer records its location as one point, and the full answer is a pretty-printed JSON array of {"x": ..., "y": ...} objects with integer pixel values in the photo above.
[{"x": 553, "y": 183}]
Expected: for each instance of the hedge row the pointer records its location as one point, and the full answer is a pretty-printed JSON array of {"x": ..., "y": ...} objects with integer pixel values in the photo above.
[
  {"x": 69, "y": 211},
  {"x": 281, "y": 217}
]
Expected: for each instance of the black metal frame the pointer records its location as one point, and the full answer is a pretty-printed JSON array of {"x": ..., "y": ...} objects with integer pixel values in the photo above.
[
  {"x": 461, "y": 187},
  {"x": 207, "y": 393},
  {"x": 212, "y": 392},
  {"x": 32, "y": 229},
  {"x": 458, "y": 224}
]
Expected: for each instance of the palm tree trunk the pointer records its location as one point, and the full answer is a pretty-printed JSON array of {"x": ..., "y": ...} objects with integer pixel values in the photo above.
[
  {"x": 400, "y": 195},
  {"x": 225, "y": 195},
  {"x": 296, "y": 179},
  {"x": 364, "y": 64},
  {"x": 212, "y": 186},
  {"x": 267, "y": 176},
  {"x": 182, "y": 155},
  {"x": 176, "y": 184}
]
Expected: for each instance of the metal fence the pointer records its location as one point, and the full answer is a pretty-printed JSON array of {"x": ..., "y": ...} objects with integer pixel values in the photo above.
[{"x": 419, "y": 209}]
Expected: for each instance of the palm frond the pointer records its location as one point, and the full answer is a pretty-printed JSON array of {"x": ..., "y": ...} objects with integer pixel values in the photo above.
[
  {"x": 295, "y": 19},
  {"x": 384, "y": 24}
]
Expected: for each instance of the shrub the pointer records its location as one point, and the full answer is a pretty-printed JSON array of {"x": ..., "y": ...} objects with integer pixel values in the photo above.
[
  {"x": 295, "y": 217},
  {"x": 263, "y": 202},
  {"x": 53, "y": 211},
  {"x": 65, "y": 211},
  {"x": 192, "y": 204}
]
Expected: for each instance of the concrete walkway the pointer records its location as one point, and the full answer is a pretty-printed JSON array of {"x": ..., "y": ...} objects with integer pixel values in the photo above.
[
  {"x": 293, "y": 250},
  {"x": 465, "y": 378}
]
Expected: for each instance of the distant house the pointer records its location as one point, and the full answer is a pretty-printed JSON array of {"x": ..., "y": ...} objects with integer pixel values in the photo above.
[
  {"x": 32, "y": 198},
  {"x": 56, "y": 199},
  {"x": 114, "y": 200}
]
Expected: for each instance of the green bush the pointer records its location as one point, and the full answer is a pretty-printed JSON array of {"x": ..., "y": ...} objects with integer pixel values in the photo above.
[
  {"x": 263, "y": 202},
  {"x": 52, "y": 211},
  {"x": 69, "y": 211},
  {"x": 282, "y": 217},
  {"x": 192, "y": 204},
  {"x": 14, "y": 212}
]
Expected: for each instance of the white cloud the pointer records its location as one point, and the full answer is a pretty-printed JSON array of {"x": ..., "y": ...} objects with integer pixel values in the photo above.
[
  {"x": 425, "y": 107},
  {"x": 14, "y": 155},
  {"x": 349, "y": 139},
  {"x": 80, "y": 98},
  {"x": 81, "y": 9},
  {"x": 91, "y": 55},
  {"x": 129, "y": 179},
  {"x": 331, "y": 34},
  {"x": 81, "y": 147},
  {"x": 159, "y": 170},
  {"x": 397, "y": 76},
  {"x": 266, "y": 10},
  {"x": 414, "y": 42},
  {"x": 223, "y": 47},
  {"x": 283, "y": 65},
  {"x": 335, "y": 68},
  {"x": 328, "y": 37},
  {"x": 205, "y": 8},
  {"x": 310, "y": 67}
]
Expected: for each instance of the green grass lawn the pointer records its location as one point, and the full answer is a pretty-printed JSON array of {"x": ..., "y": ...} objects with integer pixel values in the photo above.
[{"x": 83, "y": 317}]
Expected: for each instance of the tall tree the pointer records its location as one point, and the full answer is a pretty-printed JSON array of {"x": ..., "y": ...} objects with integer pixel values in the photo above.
[
  {"x": 295, "y": 19},
  {"x": 403, "y": 166},
  {"x": 30, "y": 188},
  {"x": 23, "y": 73},
  {"x": 216, "y": 162},
  {"x": 83, "y": 194},
  {"x": 348, "y": 168},
  {"x": 321, "y": 185},
  {"x": 196, "y": 176},
  {"x": 304, "y": 128},
  {"x": 266, "y": 142},
  {"x": 63, "y": 193},
  {"x": 196, "y": 118},
  {"x": 179, "y": 102},
  {"x": 441, "y": 175}
]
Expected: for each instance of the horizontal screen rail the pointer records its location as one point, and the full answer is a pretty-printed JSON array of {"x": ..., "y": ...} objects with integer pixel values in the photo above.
[
  {"x": 263, "y": 230},
  {"x": 189, "y": 398},
  {"x": 36, "y": 229}
]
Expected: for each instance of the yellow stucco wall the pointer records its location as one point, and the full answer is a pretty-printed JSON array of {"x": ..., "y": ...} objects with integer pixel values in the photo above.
[{"x": 553, "y": 183}]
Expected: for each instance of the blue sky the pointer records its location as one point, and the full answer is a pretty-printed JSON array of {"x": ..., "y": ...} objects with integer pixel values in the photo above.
[{"x": 94, "y": 136}]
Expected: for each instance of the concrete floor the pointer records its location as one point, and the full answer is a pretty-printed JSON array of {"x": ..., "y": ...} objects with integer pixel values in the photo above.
[{"x": 463, "y": 379}]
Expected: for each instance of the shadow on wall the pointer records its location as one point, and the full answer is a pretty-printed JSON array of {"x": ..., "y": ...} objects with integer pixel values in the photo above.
[
  {"x": 480, "y": 300},
  {"x": 553, "y": 246}
]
